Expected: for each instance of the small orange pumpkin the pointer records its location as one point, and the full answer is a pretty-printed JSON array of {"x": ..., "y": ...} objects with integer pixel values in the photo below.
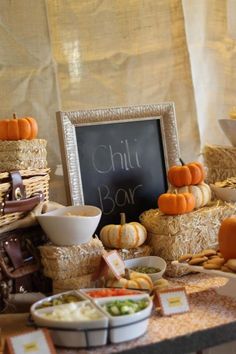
[
  {"x": 18, "y": 128},
  {"x": 190, "y": 174},
  {"x": 227, "y": 238},
  {"x": 174, "y": 204}
]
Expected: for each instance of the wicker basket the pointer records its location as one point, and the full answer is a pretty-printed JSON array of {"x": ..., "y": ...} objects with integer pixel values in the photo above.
[
  {"x": 23, "y": 154},
  {"x": 34, "y": 181}
]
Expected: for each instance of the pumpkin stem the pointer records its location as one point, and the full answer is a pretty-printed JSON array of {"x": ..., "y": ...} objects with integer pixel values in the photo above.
[
  {"x": 122, "y": 218},
  {"x": 182, "y": 162},
  {"x": 14, "y": 115},
  {"x": 127, "y": 274}
]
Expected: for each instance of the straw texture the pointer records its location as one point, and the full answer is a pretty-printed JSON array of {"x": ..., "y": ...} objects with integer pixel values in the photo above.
[
  {"x": 220, "y": 162},
  {"x": 172, "y": 236},
  {"x": 23, "y": 154},
  {"x": 64, "y": 263},
  {"x": 84, "y": 281}
]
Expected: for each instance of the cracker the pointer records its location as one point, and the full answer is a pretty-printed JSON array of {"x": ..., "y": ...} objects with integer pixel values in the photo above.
[
  {"x": 211, "y": 266},
  {"x": 197, "y": 261},
  {"x": 208, "y": 252},
  {"x": 231, "y": 263},
  {"x": 217, "y": 261},
  {"x": 198, "y": 255},
  {"x": 224, "y": 268},
  {"x": 185, "y": 257}
]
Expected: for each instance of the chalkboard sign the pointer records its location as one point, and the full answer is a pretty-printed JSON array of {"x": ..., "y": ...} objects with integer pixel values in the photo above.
[{"x": 117, "y": 159}]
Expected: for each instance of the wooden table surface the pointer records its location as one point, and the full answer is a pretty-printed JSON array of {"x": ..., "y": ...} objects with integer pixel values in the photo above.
[{"x": 211, "y": 321}]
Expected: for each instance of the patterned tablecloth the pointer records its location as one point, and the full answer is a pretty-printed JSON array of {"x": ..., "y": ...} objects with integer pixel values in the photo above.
[{"x": 209, "y": 310}]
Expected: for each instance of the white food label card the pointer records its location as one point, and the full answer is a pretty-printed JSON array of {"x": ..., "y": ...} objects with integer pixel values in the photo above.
[
  {"x": 34, "y": 342},
  {"x": 115, "y": 263},
  {"x": 173, "y": 301}
]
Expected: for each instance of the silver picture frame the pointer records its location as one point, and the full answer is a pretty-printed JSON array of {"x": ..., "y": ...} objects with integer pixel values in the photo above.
[{"x": 68, "y": 121}]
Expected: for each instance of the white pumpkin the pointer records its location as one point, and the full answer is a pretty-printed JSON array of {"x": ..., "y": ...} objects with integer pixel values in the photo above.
[
  {"x": 125, "y": 235},
  {"x": 202, "y": 193}
]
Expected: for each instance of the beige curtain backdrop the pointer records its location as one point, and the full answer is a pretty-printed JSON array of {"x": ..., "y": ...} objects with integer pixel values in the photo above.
[{"x": 70, "y": 54}]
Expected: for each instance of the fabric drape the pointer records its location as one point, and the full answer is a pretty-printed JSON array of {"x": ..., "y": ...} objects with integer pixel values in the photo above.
[{"x": 70, "y": 55}]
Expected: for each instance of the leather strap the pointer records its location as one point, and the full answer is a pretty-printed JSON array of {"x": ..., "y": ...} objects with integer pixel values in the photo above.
[
  {"x": 13, "y": 249},
  {"x": 21, "y": 205},
  {"x": 15, "y": 199},
  {"x": 17, "y": 187},
  {"x": 21, "y": 267},
  {"x": 19, "y": 272}
]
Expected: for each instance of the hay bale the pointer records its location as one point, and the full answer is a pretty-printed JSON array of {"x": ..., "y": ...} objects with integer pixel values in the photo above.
[
  {"x": 23, "y": 154},
  {"x": 65, "y": 262},
  {"x": 172, "y": 236},
  {"x": 220, "y": 162},
  {"x": 82, "y": 282}
]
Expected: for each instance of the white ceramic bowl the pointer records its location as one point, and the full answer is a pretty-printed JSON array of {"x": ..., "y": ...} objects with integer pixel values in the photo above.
[
  {"x": 70, "y": 225},
  {"x": 228, "y": 125},
  {"x": 128, "y": 326},
  {"x": 53, "y": 298},
  {"x": 150, "y": 261},
  {"x": 224, "y": 193},
  {"x": 71, "y": 333}
]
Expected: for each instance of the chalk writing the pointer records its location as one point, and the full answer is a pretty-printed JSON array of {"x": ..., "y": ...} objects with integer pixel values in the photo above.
[
  {"x": 115, "y": 160},
  {"x": 120, "y": 198},
  {"x": 122, "y": 167}
]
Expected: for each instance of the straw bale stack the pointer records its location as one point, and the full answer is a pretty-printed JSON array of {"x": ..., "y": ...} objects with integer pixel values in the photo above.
[
  {"x": 62, "y": 263},
  {"x": 220, "y": 162},
  {"x": 83, "y": 281},
  {"x": 172, "y": 236},
  {"x": 23, "y": 154}
]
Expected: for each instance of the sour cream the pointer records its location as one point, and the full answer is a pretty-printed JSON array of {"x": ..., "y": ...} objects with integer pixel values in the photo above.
[{"x": 73, "y": 312}]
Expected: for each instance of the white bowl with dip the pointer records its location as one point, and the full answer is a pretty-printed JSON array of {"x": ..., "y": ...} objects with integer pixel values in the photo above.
[
  {"x": 228, "y": 194},
  {"x": 70, "y": 329},
  {"x": 127, "y": 326},
  {"x": 150, "y": 261},
  {"x": 71, "y": 225},
  {"x": 69, "y": 323}
]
